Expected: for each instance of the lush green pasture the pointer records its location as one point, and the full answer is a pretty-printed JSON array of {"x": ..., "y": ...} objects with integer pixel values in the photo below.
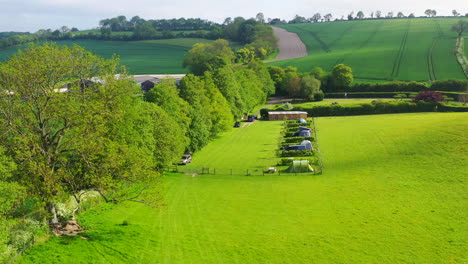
[
  {"x": 251, "y": 146},
  {"x": 397, "y": 49},
  {"x": 394, "y": 190},
  {"x": 141, "y": 57}
]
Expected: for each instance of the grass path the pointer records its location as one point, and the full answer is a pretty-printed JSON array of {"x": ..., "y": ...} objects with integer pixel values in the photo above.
[
  {"x": 394, "y": 190},
  {"x": 252, "y": 146}
]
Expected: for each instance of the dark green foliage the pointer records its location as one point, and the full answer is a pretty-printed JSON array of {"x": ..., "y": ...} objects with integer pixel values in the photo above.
[
  {"x": 342, "y": 76},
  {"x": 296, "y": 153},
  {"x": 388, "y": 87},
  {"x": 450, "y": 85},
  {"x": 298, "y": 140},
  {"x": 208, "y": 57},
  {"x": 376, "y": 107},
  {"x": 379, "y": 95}
]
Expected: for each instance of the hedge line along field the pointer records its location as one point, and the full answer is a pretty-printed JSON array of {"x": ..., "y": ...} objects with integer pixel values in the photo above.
[
  {"x": 389, "y": 49},
  {"x": 140, "y": 57},
  {"x": 394, "y": 190}
]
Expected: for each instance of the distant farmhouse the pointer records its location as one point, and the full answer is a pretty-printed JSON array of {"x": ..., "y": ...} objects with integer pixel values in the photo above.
[{"x": 147, "y": 82}]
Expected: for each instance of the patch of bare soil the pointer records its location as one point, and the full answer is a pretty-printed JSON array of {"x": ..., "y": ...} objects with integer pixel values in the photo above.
[
  {"x": 289, "y": 44},
  {"x": 69, "y": 228}
]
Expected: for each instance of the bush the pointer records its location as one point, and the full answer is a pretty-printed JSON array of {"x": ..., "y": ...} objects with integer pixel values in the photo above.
[
  {"x": 292, "y": 140},
  {"x": 429, "y": 96},
  {"x": 376, "y": 107},
  {"x": 450, "y": 85},
  {"x": 296, "y": 153},
  {"x": 381, "y": 94},
  {"x": 389, "y": 87},
  {"x": 319, "y": 96}
]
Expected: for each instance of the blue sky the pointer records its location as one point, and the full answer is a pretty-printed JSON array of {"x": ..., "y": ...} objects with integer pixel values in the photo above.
[{"x": 31, "y": 15}]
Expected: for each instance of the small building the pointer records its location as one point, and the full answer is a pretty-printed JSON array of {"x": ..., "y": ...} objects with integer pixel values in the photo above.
[
  {"x": 291, "y": 115},
  {"x": 149, "y": 84}
]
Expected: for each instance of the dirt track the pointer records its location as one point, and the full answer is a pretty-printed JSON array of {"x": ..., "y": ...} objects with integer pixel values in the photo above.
[{"x": 289, "y": 44}]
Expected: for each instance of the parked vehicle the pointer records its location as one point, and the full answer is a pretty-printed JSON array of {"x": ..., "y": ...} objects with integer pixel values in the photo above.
[
  {"x": 237, "y": 124},
  {"x": 186, "y": 159},
  {"x": 251, "y": 118}
]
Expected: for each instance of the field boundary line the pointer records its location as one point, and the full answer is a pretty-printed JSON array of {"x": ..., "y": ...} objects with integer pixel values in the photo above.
[
  {"x": 460, "y": 55},
  {"x": 398, "y": 58},
  {"x": 430, "y": 63},
  {"x": 322, "y": 44},
  {"x": 343, "y": 33}
]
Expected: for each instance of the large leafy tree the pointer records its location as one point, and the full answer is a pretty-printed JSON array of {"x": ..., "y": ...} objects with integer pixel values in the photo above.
[
  {"x": 342, "y": 76},
  {"x": 460, "y": 27},
  {"x": 66, "y": 140},
  {"x": 206, "y": 57}
]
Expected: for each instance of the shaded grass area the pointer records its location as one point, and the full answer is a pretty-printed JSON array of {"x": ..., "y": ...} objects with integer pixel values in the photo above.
[
  {"x": 391, "y": 49},
  {"x": 393, "y": 191},
  {"x": 141, "y": 57}
]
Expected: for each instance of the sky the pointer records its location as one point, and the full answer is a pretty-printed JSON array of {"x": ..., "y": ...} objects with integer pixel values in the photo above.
[{"x": 32, "y": 15}]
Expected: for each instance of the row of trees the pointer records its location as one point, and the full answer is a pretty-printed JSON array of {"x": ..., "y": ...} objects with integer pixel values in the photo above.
[
  {"x": 317, "y": 17},
  {"x": 99, "y": 135},
  {"x": 103, "y": 134},
  {"x": 310, "y": 85}
]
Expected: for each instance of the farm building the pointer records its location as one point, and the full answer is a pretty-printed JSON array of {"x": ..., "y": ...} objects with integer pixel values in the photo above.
[
  {"x": 147, "y": 82},
  {"x": 281, "y": 115}
]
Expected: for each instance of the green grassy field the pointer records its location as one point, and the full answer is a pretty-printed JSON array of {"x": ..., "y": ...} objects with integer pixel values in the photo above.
[
  {"x": 252, "y": 146},
  {"x": 397, "y": 49},
  {"x": 140, "y": 57},
  {"x": 394, "y": 190}
]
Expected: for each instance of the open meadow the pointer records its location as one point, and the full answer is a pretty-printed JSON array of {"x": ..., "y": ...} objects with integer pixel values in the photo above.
[
  {"x": 388, "y": 49},
  {"x": 163, "y": 56},
  {"x": 394, "y": 190}
]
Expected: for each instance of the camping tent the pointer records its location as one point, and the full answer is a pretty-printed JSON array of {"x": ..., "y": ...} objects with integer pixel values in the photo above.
[
  {"x": 298, "y": 166},
  {"x": 307, "y": 144},
  {"x": 302, "y": 132}
]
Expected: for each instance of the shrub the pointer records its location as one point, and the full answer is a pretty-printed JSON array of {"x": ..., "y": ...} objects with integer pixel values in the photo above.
[
  {"x": 292, "y": 140},
  {"x": 319, "y": 96},
  {"x": 287, "y": 106},
  {"x": 450, "y": 85},
  {"x": 429, "y": 96},
  {"x": 296, "y": 153}
]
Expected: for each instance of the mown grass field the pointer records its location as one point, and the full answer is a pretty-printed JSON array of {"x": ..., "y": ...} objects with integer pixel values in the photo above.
[
  {"x": 394, "y": 190},
  {"x": 251, "y": 146},
  {"x": 140, "y": 57},
  {"x": 397, "y": 49}
]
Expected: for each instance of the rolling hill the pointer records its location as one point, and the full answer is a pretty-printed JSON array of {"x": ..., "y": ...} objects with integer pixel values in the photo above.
[
  {"x": 163, "y": 56},
  {"x": 388, "y": 49}
]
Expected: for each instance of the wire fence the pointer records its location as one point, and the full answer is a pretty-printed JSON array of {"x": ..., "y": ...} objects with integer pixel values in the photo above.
[{"x": 279, "y": 170}]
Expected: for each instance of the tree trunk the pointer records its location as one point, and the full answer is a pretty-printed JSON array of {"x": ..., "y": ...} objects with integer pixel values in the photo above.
[{"x": 53, "y": 212}]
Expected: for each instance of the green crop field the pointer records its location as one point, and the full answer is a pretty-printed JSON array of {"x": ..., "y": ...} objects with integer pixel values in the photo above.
[
  {"x": 140, "y": 57},
  {"x": 394, "y": 190},
  {"x": 397, "y": 49}
]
